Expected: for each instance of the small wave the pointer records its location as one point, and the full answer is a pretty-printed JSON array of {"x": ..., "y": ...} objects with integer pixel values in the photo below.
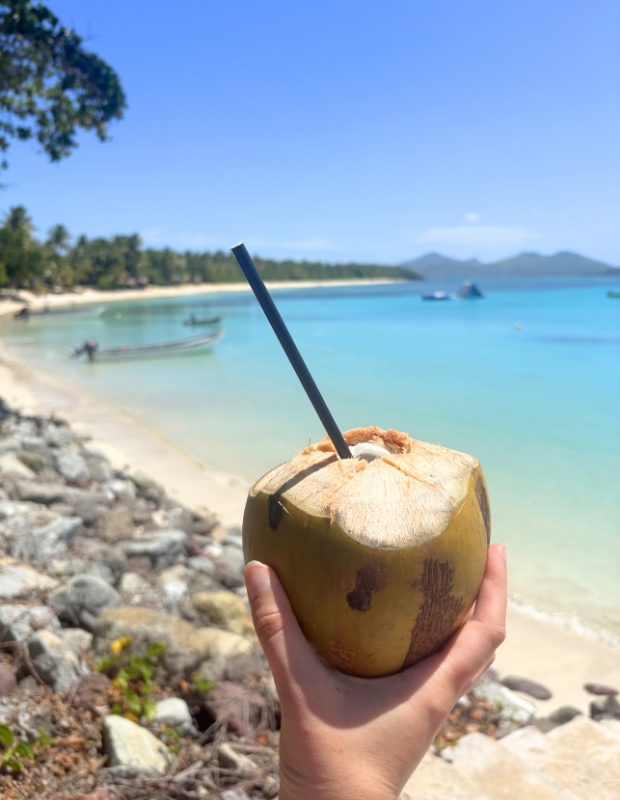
[
  {"x": 573, "y": 624},
  {"x": 585, "y": 340}
]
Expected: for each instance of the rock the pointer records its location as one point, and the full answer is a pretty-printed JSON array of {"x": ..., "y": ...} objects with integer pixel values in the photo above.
[
  {"x": 89, "y": 511},
  {"x": 83, "y": 599},
  {"x": 600, "y": 689},
  {"x": 98, "y": 467},
  {"x": 511, "y": 708},
  {"x": 92, "y": 550},
  {"x": 242, "y": 712},
  {"x": 46, "y": 541},
  {"x": 91, "y": 691},
  {"x": 17, "y": 580},
  {"x": 186, "y": 647},
  {"x": 71, "y": 466},
  {"x": 117, "y": 524},
  {"x": 144, "y": 481},
  {"x": 34, "y": 461},
  {"x": 128, "y": 745},
  {"x": 560, "y": 716},
  {"x": 202, "y": 564},
  {"x": 8, "y": 681},
  {"x": 564, "y": 714},
  {"x": 230, "y": 578},
  {"x": 55, "y": 663},
  {"x": 12, "y": 467},
  {"x": 17, "y": 622},
  {"x": 609, "y": 708},
  {"x": 175, "y": 592},
  {"x": 231, "y": 759},
  {"x": 226, "y": 610},
  {"x": 233, "y": 557},
  {"x": 133, "y": 585},
  {"x": 58, "y": 435},
  {"x": 157, "y": 545},
  {"x": 35, "y": 444},
  {"x": 45, "y": 493},
  {"x": 235, "y": 794},
  {"x": 527, "y": 686},
  {"x": 76, "y": 639},
  {"x": 174, "y": 713},
  {"x": 10, "y": 444},
  {"x": 123, "y": 490}
]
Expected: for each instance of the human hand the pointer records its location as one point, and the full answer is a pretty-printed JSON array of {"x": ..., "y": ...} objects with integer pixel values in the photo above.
[{"x": 346, "y": 738}]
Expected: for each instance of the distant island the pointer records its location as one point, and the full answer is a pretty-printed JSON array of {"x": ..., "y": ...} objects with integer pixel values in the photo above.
[{"x": 525, "y": 265}]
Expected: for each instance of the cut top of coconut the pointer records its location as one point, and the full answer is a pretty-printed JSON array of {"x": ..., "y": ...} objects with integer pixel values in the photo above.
[{"x": 396, "y": 492}]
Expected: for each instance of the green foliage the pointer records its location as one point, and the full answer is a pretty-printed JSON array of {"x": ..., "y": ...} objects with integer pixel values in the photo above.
[
  {"x": 132, "y": 677},
  {"x": 49, "y": 84},
  {"x": 120, "y": 262},
  {"x": 13, "y": 751}
]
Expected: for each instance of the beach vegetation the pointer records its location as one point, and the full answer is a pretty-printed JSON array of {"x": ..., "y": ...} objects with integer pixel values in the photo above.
[{"x": 61, "y": 263}]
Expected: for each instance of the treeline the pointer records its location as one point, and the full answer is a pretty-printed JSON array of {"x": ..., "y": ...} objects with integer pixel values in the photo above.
[{"x": 59, "y": 263}]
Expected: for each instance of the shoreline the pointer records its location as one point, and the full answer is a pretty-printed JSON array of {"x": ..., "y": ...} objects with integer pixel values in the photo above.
[
  {"x": 540, "y": 648},
  {"x": 90, "y": 295}
]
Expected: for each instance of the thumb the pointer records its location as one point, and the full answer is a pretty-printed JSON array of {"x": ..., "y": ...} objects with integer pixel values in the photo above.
[{"x": 289, "y": 655}]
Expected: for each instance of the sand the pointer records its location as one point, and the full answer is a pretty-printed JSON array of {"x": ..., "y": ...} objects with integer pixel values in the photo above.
[
  {"x": 561, "y": 659},
  {"x": 84, "y": 295}
]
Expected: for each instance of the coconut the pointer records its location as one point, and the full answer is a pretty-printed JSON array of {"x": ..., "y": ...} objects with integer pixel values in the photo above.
[{"x": 381, "y": 555}]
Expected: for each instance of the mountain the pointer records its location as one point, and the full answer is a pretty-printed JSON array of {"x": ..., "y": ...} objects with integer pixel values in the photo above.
[{"x": 434, "y": 265}]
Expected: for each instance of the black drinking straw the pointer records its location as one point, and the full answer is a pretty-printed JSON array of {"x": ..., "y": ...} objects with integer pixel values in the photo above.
[{"x": 290, "y": 348}]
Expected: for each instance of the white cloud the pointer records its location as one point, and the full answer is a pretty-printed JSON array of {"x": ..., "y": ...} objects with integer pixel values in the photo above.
[
  {"x": 472, "y": 217},
  {"x": 479, "y": 236}
]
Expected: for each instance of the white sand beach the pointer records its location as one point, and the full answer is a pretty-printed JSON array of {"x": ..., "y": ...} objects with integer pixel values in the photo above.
[
  {"x": 561, "y": 659},
  {"x": 84, "y": 295}
]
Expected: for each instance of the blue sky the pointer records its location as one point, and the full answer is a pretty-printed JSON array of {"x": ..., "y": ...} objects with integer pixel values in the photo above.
[{"x": 340, "y": 130}]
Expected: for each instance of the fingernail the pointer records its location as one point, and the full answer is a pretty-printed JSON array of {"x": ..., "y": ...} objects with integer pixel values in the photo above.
[
  {"x": 502, "y": 550},
  {"x": 257, "y": 579}
]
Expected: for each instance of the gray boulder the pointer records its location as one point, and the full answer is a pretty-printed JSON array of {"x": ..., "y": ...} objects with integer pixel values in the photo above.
[
  {"x": 186, "y": 647},
  {"x": 35, "y": 444},
  {"x": 13, "y": 467},
  {"x": 71, "y": 466},
  {"x": 117, "y": 524},
  {"x": 56, "y": 663},
  {"x": 157, "y": 545},
  {"x": 17, "y": 580},
  {"x": 57, "y": 435},
  {"x": 43, "y": 543},
  {"x": 83, "y": 599},
  {"x": 45, "y": 493},
  {"x": 133, "y": 748},
  {"x": 17, "y": 621},
  {"x": 527, "y": 686}
]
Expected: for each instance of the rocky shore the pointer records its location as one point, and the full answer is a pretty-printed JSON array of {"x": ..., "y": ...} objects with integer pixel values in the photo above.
[{"x": 129, "y": 666}]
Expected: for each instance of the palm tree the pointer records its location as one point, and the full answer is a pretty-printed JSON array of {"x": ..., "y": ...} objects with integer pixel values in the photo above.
[
  {"x": 59, "y": 239},
  {"x": 18, "y": 219}
]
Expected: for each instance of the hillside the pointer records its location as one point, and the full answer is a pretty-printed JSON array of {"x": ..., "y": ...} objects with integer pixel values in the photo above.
[{"x": 563, "y": 264}]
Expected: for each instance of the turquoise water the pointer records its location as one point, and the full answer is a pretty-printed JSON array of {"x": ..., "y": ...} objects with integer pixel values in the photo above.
[{"x": 539, "y": 406}]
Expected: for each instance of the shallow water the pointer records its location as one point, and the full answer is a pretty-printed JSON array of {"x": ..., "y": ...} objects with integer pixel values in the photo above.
[{"x": 537, "y": 403}]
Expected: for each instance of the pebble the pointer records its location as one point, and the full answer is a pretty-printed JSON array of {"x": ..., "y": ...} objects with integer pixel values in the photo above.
[
  {"x": 56, "y": 663},
  {"x": 174, "y": 713},
  {"x": 527, "y": 686},
  {"x": 129, "y": 745},
  {"x": 8, "y": 681},
  {"x": 600, "y": 689},
  {"x": 83, "y": 599}
]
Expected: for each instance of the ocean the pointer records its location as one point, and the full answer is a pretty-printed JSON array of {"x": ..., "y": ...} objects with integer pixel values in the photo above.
[{"x": 526, "y": 379}]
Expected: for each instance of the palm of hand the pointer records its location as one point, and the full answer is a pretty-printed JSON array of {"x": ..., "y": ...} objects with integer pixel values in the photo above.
[{"x": 345, "y": 737}]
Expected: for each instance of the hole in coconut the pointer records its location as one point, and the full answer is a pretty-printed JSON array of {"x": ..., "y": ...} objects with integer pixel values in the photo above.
[{"x": 368, "y": 451}]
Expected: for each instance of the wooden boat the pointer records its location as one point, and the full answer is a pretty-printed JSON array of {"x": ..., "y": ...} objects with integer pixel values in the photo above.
[
  {"x": 614, "y": 295},
  {"x": 146, "y": 350},
  {"x": 202, "y": 320},
  {"x": 437, "y": 296}
]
